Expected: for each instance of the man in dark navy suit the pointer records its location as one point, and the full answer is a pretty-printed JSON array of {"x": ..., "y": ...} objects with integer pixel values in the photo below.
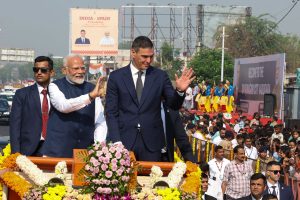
[
  {"x": 82, "y": 39},
  {"x": 133, "y": 102},
  {"x": 27, "y": 129},
  {"x": 174, "y": 130},
  {"x": 282, "y": 191}
]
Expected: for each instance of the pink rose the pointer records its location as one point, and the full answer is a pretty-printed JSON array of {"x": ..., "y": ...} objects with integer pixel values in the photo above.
[
  {"x": 114, "y": 167},
  {"x": 118, "y": 155},
  {"x": 108, "y": 174},
  {"x": 104, "y": 167}
]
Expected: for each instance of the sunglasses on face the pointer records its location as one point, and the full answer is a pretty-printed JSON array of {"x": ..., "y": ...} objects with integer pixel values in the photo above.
[
  {"x": 275, "y": 171},
  {"x": 43, "y": 70}
]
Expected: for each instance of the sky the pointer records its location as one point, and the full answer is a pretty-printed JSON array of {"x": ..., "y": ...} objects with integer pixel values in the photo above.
[{"x": 43, "y": 25}]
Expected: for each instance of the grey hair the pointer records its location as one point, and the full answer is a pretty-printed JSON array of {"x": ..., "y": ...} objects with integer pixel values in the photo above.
[{"x": 65, "y": 61}]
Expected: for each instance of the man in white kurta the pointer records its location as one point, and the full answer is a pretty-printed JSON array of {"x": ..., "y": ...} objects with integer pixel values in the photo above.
[{"x": 216, "y": 171}]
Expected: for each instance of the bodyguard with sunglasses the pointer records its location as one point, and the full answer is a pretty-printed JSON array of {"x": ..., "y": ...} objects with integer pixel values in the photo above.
[
  {"x": 29, "y": 113},
  {"x": 274, "y": 187}
]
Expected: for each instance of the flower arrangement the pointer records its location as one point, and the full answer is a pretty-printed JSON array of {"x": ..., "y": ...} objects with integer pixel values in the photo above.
[
  {"x": 109, "y": 169},
  {"x": 55, "y": 193},
  {"x": 10, "y": 161},
  {"x": 169, "y": 193},
  {"x": 177, "y": 158},
  {"x": 32, "y": 171},
  {"x": 257, "y": 166},
  {"x": 176, "y": 174},
  {"x": 73, "y": 194},
  {"x": 192, "y": 184},
  {"x": 16, "y": 183},
  {"x": 6, "y": 153},
  {"x": 155, "y": 174},
  {"x": 61, "y": 170}
]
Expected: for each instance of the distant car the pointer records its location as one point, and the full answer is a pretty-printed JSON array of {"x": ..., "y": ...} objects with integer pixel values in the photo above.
[
  {"x": 4, "y": 111},
  {"x": 8, "y": 96}
]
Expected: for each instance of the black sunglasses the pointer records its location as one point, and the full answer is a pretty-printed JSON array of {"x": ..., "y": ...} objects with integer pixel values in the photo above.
[
  {"x": 275, "y": 171},
  {"x": 43, "y": 70}
]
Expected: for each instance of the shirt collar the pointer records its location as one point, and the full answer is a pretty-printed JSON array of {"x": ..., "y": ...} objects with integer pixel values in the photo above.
[
  {"x": 255, "y": 199},
  {"x": 134, "y": 70},
  {"x": 270, "y": 185},
  {"x": 40, "y": 88}
]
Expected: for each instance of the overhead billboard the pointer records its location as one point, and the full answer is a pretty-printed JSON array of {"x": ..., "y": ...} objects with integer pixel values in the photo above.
[
  {"x": 94, "y": 32},
  {"x": 256, "y": 76}
]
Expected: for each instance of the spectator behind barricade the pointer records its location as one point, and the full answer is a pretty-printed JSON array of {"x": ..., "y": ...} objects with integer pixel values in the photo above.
[
  {"x": 275, "y": 146},
  {"x": 293, "y": 146},
  {"x": 226, "y": 143},
  {"x": 277, "y": 133},
  {"x": 250, "y": 150},
  {"x": 295, "y": 136},
  {"x": 263, "y": 159},
  {"x": 190, "y": 129},
  {"x": 255, "y": 120},
  {"x": 219, "y": 136},
  {"x": 239, "y": 140},
  {"x": 274, "y": 121}
]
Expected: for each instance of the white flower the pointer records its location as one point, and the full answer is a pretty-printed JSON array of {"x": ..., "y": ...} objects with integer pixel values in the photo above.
[
  {"x": 61, "y": 170},
  {"x": 155, "y": 175},
  {"x": 176, "y": 174},
  {"x": 31, "y": 170}
]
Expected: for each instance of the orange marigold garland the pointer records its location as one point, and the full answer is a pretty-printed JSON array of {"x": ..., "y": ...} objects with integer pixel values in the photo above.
[
  {"x": 10, "y": 161},
  {"x": 16, "y": 183},
  {"x": 193, "y": 181}
]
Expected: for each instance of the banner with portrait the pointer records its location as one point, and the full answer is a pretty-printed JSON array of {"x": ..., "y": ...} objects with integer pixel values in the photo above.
[
  {"x": 256, "y": 76},
  {"x": 94, "y": 32}
]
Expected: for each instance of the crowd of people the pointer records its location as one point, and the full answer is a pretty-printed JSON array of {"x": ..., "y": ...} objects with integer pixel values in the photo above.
[
  {"x": 270, "y": 149},
  {"x": 210, "y": 98},
  {"x": 141, "y": 112}
]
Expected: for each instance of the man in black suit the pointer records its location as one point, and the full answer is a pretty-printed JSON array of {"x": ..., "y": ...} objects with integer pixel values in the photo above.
[
  {"x": 258, "y": 184},
  {"x": 82, "y": 39},
  {"x": 281, "y": 191},
  {"x": 27, "y": 127},
  {"x": 174, "y": 130},
  {"x": 133, "y": 108}
]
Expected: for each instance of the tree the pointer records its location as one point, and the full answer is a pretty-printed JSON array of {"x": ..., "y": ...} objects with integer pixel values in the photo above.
[
  {"x": 175, "y": 68},
  {"x": 166, "y": 52},
  {"x": 252, "y": 36},
  {"x": 207, "y": 65}
]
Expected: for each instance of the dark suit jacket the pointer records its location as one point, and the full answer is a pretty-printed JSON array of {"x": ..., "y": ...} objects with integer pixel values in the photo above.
[
  {"x": 175, "y": 130},
  {"x": 124, "y": 112},
  {"x": 79, "y": 41},
  {"x": 207, "y": 197},
  {"x": 285, "y": 192},
  {"x": 26, "y": 121}
]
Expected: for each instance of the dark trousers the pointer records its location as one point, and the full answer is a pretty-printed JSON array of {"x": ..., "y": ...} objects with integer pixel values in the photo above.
[{"x": 141, "y": 152}]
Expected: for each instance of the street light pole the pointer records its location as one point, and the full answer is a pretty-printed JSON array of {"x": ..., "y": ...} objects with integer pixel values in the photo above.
[{"x": 223, "y": 49}]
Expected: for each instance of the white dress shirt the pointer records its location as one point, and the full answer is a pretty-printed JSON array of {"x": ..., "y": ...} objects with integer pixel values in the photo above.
[
  {"x": 251, "y": 152},
  {"x": 134, "y": 73},
  {"x": 216, "y": 171},
  {"x": 270, "y": 189},
  {"x": 64, "y": 105}
]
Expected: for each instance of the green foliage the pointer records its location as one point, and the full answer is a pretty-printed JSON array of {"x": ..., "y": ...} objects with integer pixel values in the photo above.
[
  {"x": 175, "y": 68},
  {"x": 256, "y": 36},
  {"x": 207, "y": 65},
  {"x": 166, "y": 52},
  {"x": 253, "y": 36}
]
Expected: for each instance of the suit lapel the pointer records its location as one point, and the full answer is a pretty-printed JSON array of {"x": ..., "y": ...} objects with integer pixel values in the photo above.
[
  {"x": 128, "y": 81},
  {"x": 149, "y": 80},
  {"x": 36, "y": 100}
]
